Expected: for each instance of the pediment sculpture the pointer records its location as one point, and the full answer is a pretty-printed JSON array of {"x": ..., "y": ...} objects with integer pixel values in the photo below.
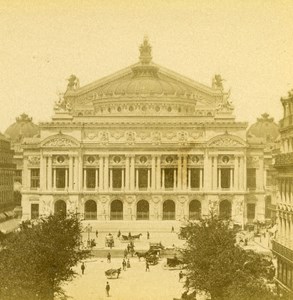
[
  {"x": 226, "y": 142},
  {"x": 60, "y": 142}
]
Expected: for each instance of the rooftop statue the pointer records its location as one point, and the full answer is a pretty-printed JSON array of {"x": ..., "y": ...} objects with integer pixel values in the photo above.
[
  {"x": 62, "y": 105},
  {"x": 73, "y": 83},
  {"x": 217, "y": 82},
  {"x": 145, "y": 50}
]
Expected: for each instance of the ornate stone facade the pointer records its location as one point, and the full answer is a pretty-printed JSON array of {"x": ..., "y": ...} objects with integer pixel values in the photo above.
[{"x": 144, "y": 143}]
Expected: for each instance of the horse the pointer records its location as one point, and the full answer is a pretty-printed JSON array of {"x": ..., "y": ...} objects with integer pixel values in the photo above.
[
  {"x": 141, "y": 254},
  {"x": 111, "y": 272},
  {"x": 137, "y": 236}
]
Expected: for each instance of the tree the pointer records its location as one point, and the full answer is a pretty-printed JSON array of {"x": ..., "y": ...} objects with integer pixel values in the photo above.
[
  {"x": 37, "y": 260},
  {"x": 215, "y": 264}
]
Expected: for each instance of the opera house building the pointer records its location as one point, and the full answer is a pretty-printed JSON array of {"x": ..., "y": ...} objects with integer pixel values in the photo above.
[{"x": 145, "y": 143}]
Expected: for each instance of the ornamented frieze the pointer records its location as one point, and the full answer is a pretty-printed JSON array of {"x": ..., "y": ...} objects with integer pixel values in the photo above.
[
  {"x": 226, "y": 142},
  {"x": 34, "y": 160},
  {"x": 60, "y": 142}
]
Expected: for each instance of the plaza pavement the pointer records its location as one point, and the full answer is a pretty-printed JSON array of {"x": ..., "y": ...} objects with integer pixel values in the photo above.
[{"x": 134, "y": 283}]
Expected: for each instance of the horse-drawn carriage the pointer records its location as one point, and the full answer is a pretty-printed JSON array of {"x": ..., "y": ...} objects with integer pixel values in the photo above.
[
  {"x": 129, "y": 237},
  {"x": 109, "y": 241},
  {"x": 111, "y": 273},
  {"x": 173, "y": 264},
  {"x": 152, "y": 259}
]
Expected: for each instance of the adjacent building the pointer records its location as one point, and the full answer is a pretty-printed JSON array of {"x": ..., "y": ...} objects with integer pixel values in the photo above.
[
  {"x": 7, "y": 169},
  {"x": 283, "y": 245},
  {"x": 144, "y": 143}
]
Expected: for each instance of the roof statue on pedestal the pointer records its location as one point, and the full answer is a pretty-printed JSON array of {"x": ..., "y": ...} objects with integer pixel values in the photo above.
[
  {"x": 225, "y": 105},
  {"x": 73, "y": 83},
  {"x": 62, "y": 105},
  {"x": 217, "y": 82},
  {"x": 145, "y": 50}
]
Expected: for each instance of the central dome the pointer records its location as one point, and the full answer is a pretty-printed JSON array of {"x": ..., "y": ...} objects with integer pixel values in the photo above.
[{"x": 144, "y": 80}]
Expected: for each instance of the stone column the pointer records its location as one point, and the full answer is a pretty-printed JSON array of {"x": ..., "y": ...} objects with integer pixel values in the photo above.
[
  {"x": 75, "y": 176},
  {"x": 70, "y": 181},
  {"x": 163, "y": 179},
  {"x": 101, "y": 173},
  {"x": 54, "y": 178},
  {"x": 244, "y": 172},
  {"x": 127, "y": 170},
  {"x": 122, "y": 179},
  {"x": 43, "y": 172},
  {"x": 158, "y": 175},
  {"x": 207, "y": 172},
  {"x": 106, "y": 173},
  {"x": 136, "y": 179},
  {"x": 231, "y": 179},
  {"x": 97, "y": 179},
  {"x": 84, "y": 179},
  {"x": 184, "y": 172},
  {"x": 215, "y": 170},
  {"x": 132, "y": 173},
  {"x": 66, "y": 178},
  {"x": 200, "y": 178},
  {"x": 189, "y": 179},
  {"x": 25, "y": 173},
  {"x": 219, "y": 179},
  {"x": 149, "y": 178},
  {"x": 179, "y": 177},
  {"x": 153, "y": 172},
  {"x": 241, "y": 175},
  {"x": 50, "y": 172},
  {"x": 80, "y": 172},
  {"x": 111, "y": 179},
  {"x": 236, "y": 173}
]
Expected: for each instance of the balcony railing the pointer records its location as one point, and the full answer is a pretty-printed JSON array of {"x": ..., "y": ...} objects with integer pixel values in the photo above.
[
  {"x": 284, "y": 159},
  {"x": 89, "y": 215},
  {"x": 168, "y": 215},
  {"x": 282, "y": 250},
  {"x": 116, "y": 215},
  {"x": 142, "y": 216}
]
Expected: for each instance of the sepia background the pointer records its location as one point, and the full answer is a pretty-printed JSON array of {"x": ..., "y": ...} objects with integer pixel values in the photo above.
[{"x": 42, "y": 42}]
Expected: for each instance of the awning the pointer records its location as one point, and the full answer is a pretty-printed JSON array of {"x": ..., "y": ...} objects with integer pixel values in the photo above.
[{"x": 9, "y": 213}]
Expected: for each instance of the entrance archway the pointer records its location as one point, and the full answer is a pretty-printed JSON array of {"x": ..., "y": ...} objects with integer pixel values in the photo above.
[
  {"x": 194, "y": 210},
  {"x": 225, "y": 209},
  {"x": 142, "y": 210},
  {"x": 116, "y": 210},
  {"x": 90, "y": 210},
  {"x": 169, "y": 210},
  {"x": 60, "y": 207}
]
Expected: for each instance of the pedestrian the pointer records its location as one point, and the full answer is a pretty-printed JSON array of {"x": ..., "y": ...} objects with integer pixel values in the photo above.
[
  {"x": 125, "y": 253},
  {"x": 128, "y": 263},
  {"x": 109, "y": 257},
  {"x": 172, "y": 229},
  {"x": 129, "y": 234},
  {"x": 148, "y": 235},
  {"x": 97, "y": 234},
  {"x": 147, "y": 266},
  {"x": 82, "y": 268},
  {"x": 180, "y": 275},
  {"x": 108, "y": 289},
  {"x": 128, "y": 248},
  {"x": 124, "y": 264},
  {"x": 119, "y": 234}
]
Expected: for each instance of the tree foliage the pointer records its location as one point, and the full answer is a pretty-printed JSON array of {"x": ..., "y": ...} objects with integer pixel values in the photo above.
[
  {"x": 37, "y": 260},
  {"x": 215, "y": 264}
]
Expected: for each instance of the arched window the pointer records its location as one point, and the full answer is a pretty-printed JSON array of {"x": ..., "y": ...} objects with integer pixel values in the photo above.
[
  {"x": 116, "y": 210},
  {"x": 90, "y": 210},
  {"x": 225, "y": 209},
  {"x": 194, "y": 210},
  {"x": 142, "y": 210},
  {"x": 169, "y": 210},
  {"x": 60, "y": 207}
]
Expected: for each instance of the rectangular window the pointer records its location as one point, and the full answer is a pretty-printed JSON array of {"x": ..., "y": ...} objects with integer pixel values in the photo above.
[
  {"x": 142, "y": 178},
  {"x": 60, "y": 178},
  {"x": 195, "y": 178},
  {"x": 250, "y": 211},
  {"x": 169, "y": 178},
  {"x": 90, "y": 178},
  {"x": 225, "y": 178},
  {"x": 117, "y": 178},
  {"x": 18, "y": 176},
  {"x": 34, "y": 211},
  {"x": 251, "y": 178},
  {"x": 35, "y": 178}
]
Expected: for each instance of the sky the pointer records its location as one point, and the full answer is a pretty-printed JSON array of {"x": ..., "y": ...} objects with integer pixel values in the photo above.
[{"x": 42, "y": 43}]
